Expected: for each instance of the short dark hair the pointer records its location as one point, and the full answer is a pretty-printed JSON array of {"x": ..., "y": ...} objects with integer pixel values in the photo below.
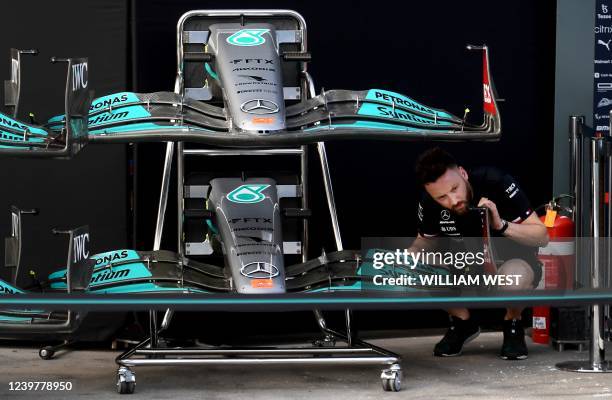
[{"x": 432, "y": 164}]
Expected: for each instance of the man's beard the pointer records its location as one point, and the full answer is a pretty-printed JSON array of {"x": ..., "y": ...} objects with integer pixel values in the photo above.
[{"x": 463, "y": 207}]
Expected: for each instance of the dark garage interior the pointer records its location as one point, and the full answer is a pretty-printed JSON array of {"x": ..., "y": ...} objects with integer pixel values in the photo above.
[{"x": 541, "y": 60}]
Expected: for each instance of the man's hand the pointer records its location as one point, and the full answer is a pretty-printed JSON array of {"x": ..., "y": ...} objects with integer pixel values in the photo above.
[
  {"x": 496, "y": 221},
  {"x": 530, "y": 232}
]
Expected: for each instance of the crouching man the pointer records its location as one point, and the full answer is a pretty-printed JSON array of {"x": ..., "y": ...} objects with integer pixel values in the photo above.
[{"x": 449, "y": 193}]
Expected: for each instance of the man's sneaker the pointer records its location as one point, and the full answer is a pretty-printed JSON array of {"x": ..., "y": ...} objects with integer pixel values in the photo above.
[
  {"x": 459, "y": 333},
  {"x": 514, "y": 347}
]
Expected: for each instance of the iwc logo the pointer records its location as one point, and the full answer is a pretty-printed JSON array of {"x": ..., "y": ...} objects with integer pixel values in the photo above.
[
  {"x": 248, "y": 37},
  {"x": 445, "y": 215},
  {"x": 248, "y": 194}
]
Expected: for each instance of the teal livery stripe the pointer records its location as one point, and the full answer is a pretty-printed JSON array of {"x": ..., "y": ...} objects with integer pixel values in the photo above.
[
  {"x": 112, "y": 100},
  {"x": 8, "y": 122},
  {"x": 212, "y": 300},
  {"x": 5, "y": 288},
  {"x": 112, "y": 274},
  {"x": 119, "y": 115},
  {"x": 366, "y": 125},
  {"x": 4, "y": 135},
  {"x": 14, "y": 319},
  {"x": 145, "y": 288}
]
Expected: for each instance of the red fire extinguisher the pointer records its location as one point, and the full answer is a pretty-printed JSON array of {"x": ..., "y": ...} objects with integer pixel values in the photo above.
[{"x": 558, "y": 262}]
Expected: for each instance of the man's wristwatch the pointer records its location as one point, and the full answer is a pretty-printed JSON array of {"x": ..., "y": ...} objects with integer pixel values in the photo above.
[{"x": 504, "y": 227}]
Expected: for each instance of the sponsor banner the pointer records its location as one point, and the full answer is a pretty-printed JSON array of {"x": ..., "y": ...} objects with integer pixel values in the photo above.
[{"x": 602, "y": 78}]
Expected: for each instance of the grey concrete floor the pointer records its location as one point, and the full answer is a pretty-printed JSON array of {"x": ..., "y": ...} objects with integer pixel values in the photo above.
[{"x": 477, "y": 374}]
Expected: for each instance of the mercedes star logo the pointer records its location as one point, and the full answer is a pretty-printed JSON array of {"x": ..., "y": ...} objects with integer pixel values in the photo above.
[
  {"x": 259, "y": 106},
  {"x": 445, "y": 215},
  {"x": 259, "y": 270}
]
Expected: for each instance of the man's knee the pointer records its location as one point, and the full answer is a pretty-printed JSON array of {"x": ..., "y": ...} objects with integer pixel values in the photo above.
[{"x": 520, "y": 268}]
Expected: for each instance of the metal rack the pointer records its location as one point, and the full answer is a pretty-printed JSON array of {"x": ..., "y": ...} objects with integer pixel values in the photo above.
[
  {"x": 324, "y": 351},
  {"x": 600, "y": 172},
  {"x": 41, "y": 323}
]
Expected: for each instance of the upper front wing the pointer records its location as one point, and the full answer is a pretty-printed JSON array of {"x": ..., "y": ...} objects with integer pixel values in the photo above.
[{"x": 333, "y": 115}]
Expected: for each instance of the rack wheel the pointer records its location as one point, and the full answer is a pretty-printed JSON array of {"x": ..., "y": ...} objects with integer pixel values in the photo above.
[
  {"x": 46, "y": 353},
  {"x": 126, "y": 381},
  {"x": 126, "y": 387},
  {"x": 391, "y": 379}
]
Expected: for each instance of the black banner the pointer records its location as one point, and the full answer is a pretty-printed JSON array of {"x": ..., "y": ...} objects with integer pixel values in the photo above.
[{"x": 602, "y": 93}]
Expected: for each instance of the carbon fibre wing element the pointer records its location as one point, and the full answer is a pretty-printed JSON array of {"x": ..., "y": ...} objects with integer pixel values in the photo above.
[
  {"x": 18, "y": 138},
  {"x": 334, "y": 115}
]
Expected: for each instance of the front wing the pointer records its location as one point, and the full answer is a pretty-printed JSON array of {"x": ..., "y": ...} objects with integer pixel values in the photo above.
[{"x": 128, "y": 117}]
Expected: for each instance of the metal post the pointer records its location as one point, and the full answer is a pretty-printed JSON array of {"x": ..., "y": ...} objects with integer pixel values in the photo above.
[
  {"x": 349, "y": 331},
  {"x": 331, "y": 203},
  {"x": 166, "y": 321},
  {"x": 576, "y": 147},
  {"x": 135, "y": 198},
  {"x": 576, "y": 169},
  {"x": 597, "y": 361},
  {"x": 607, "y": 232},
  {"x": 305, "y": 194},
  {"x": 597, "y": 351},
  {"x": 180, "y": 178},
  {"x": 163, "y": 197},
  {"x": 153, "y": 328},
  {"x": 243, "y": 152},
  {"x": 329, "y": 192},
  {"x": 16, "y": 227}
]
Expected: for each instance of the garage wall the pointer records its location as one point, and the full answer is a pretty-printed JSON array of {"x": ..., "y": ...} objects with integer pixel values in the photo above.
[
  {"x": 575, "y": 51},
  {"x": 415, "y": 48},
  {"x": 90, "y": 189},
  {"x": 412, "y": 48}
]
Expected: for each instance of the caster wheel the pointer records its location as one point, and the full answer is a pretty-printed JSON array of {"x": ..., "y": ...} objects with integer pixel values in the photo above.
[
  {"x": 126, "y": 381},
  {"x": 391, "y": 379},
  {"x": 126, "y": 387},
  {"x": 46, "y": 353},
  {"x": 392, "y": 385}
]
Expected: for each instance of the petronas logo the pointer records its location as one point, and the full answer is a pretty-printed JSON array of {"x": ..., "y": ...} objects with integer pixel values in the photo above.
[
  {"x": 248, "y": 37},
  {"x": 248, "y": 194}
]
